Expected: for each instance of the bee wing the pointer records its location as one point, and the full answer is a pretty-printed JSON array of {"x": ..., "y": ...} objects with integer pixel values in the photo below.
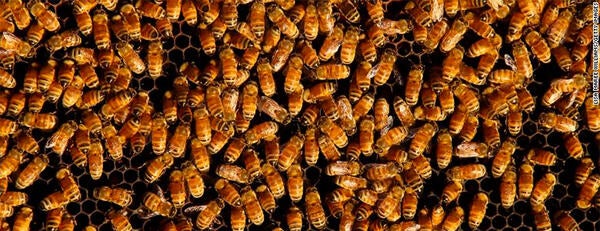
[
  {"x": 52, "y": 141},
  {"x": 437, "y": 10},
  {"x": 509, "y": 61},
  {"x": 388, "y": 125},
  {"x": 373, "y": 71}
]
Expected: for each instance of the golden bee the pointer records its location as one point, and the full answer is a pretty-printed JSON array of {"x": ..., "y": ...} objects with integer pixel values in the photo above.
[
  {"x": 478, "y": 209},
  {"x": 131, "y": 58},
  {"x": 54, "y": 219},
  {"x": 451, "y": 191},
  {"x": 588, "y": 189},
  {"x": 68, "y": 184},
  {"x": 314, "y": 209},
  {"x": 119, "y": 220},
  {"x": 157, "y": 167},
  {"x": 53, "y": 201},
  {"x": 157, "y": 204},
  {"x": 541, "y": 218},
  {"x": 454, "y": 219},
  {"x": 252, "y": 206},
  {"x": 23, "y": 219},
  {"x": 381, "y": 72},
  {"x": 118, "y": 196},
  {"x": 467, "y": 172}
]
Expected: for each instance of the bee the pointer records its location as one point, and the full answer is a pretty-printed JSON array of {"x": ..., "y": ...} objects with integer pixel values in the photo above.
[
  {"x": 541, "y": 157},
  {"x": 525, "y": 180},
  {"x": 73, "y": 92},
  {"x": 265, "y": 198},
  {"x": 59, "y": 139},
  {"x": 20, "y": 14},
  {"x": 154, "y": 59},
  {"x": 53, "y": 201},
  {"x": 584, "y": 36},
  {"x": 252, "y": 206},
  {"x": 311, "y": 146},
  {"x": 67, "y": 223},
  {"x": 14, "y": 198},
  {"x": 437, "y": 31},
  {"x": 380, "y": 73},
  {"x": 34, "y": 33},
  {"x": 409, "y": 204},
  {"x": 583, "y": 170},
  {"x": 228, "y": 192},
  {"x": 54, "y": 219},
  {"x": 238, "y": 218},
  {"x": 294, "y": 219},
  {"x": 84, "y": 23},
  {"x": 193, "y": 179},
  {"x": 118, "y": 196},
  {"x": 421, "y": 139},
  {"x": 588, "y": 190},
  {"x": 349, "y": 45},
  {"x": 119, "y": 220},
  {"x": 164, "y": 27},
  {"x": 293, "y": 75},
  {"x": 44, "y": 16},
  {"x": 68, "y": 184},
  {"x": 199, "y": 155},
  {"x": 118, "y": 26},
  {"x": 454, "y": 219},
  {"x": 273, "y": 110},
  {"x": 454, "y": 35},
  {"x": 467, "y": 172},
  {"x": 108, "y": 4},
  {"x": 539, "y": 47},
  {"x": 100, "y": 29},
  {"x": 393, "y": 136},
  {"x": 156, "y": 204},
  {"x": 375, "y": 11},
  {"x": 257, "y": 19},
  {"x": 314, "y": 209},
  {"x": 271, "y": 39},
  {"x": 402, "y": 110},
  {"x": 265, "y": 130},
  {"x": 468, "y": 97},
  {"x": 419, "y": 15},
  {"x": 233, "y": 173},
  {"x": 131, "y": 59},
  {"x": 331, "y": 44},
  {"x": 149, "y": 32},
  {"x": 54, "y": 92},
  {"x": 281, "y": 54},
  {"x": 178, "y": 141},
  {"x": 558, "y": 122},
  {"x": 573, "y": 146},
  {"x": 157, "y": 167},
  {"x": 478, "y": 209},
  {"x": 451, "y": 192},
  {"x": 558, "y": 29},
  {"x": 95, "y": 160},
  {"x": 23, "y": 219},
  {"x": 150, "y": 9},
  {"x": 278, "y": 17}
]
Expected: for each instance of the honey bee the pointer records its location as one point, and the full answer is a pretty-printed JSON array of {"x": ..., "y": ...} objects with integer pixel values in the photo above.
[
  {"x": 271, "y": 39},
  {"x": 468, "y": 97},
  {"x": 573, "y": 146},
  {"x": 558, "y": 29},
  {"x": 20, "y": 14},
  {"x": 84, "y": 23},
  {"x": 525, "y": 180},
  {"x": 454, "y": 35},
  {"x": 54, "y": 219},
  {"x": 281, "y": 54},
  {"x": 467, "y": 172},
  {"x": 238, "y": 218},
  {"x": 543, "y": 189},
  {"x": 565, "y": 221},
  {"x": 14, "y": 198},
  {"x": 331, "y": 44},
  {"x": 100, "y": 29},
  {"x": 59, "y": 139},
  {"x": 44, "y": 16},
  {"x": 539, "y": 47},
  {"x": 265, "y": 130},
  {"x": 454, "y": 219},
  {"x": 314, "y": 209},
  {"x": 278, "y": 17},
  {"x": 158, "y": 205},
  {"x": 149, "y": 32},
  {"x": 293, "y": 74},
  {"x": 265, "y": 198},
  {"x": 67, "y": 223},
  {"x": 421, "y": 140},
  {"x": 252, "y": 206},
  {"x": 233, "y": 173},
  {"x": 119, "y": 220},
  {"x": 178, "y": 141},
  {"x": 380, "y": 73},
  {"x": 23, "y": 219},
  {"x": 583, "y": 170},
  {"x": 157, "y": 167},
  {"x": 558, "y": 122},
  {"x": 154, "y": 59},
  {"x": 228, "y": 193},
  {"x": 53, "y": 201},
  {"x": 294, "y": 219},
  {"x": 478, "y": 210},
  {"x": 131, "y": 59},
  {"x": 193, "y": 179},
  {"x": 73, "y": 92},
  {"x": 265, "y": 77},
  {"x": 7, "y": 211},
  {"x": 95, "y": 160},
  {"x": 437, "y": 31},
  {"x": 34, "y": 33},
  {"x": 588, "y": 190},
  {"x": 119, "y": 196},
  {"x": 451, "y": 191},
  {"x": 273, "y": 110},
  {"x": 68, "y": 184},
  {"x": 508, "y": 188}
]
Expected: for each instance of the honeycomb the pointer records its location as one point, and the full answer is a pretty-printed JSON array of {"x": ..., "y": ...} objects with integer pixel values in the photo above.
[{"x": 184, "y": 46}]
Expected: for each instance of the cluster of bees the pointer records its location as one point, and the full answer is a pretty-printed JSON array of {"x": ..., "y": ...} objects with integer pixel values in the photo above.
[{"x": 281, "y": 68}]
